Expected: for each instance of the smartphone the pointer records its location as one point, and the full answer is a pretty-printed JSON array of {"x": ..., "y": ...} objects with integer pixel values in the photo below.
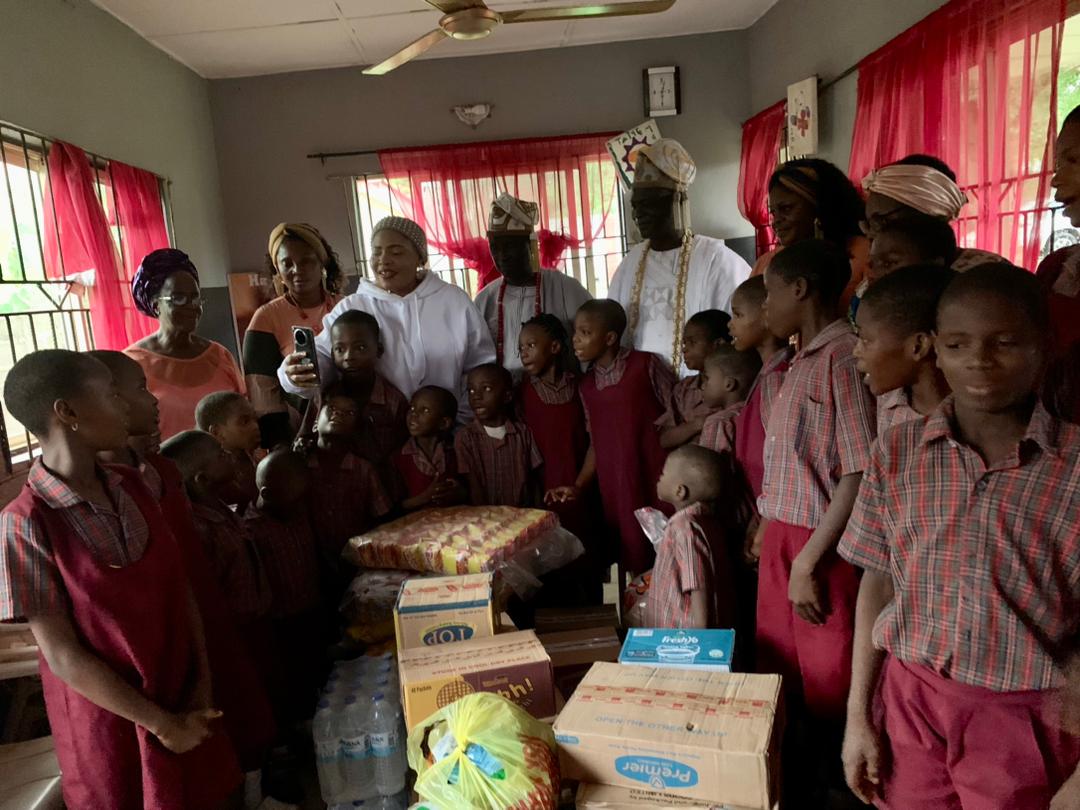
[{"x": 304, "y": 341}]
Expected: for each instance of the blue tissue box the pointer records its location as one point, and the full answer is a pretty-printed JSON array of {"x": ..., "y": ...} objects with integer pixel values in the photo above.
[{"x": 706, "y": 650}]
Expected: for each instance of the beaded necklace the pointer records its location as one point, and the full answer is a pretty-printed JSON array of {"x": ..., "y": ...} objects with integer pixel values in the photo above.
[
  {"x": 680, "y": 296},
  {"x": 538, "y": 309}
]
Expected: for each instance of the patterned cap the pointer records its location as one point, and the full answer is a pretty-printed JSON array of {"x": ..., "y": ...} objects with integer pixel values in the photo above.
[
  {"x": 664, "y": 164},
  {"x": 407, "y": 228},
  {"x": 509, "y": 215}
]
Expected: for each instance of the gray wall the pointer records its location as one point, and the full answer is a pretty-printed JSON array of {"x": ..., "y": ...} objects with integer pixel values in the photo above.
[
  {"x": 800, "y": 38},
  {"x": 266, "y": 125}
]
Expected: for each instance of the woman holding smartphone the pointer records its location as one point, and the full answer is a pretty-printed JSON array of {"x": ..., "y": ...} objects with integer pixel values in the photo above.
[{"x": 432, "y": 333}]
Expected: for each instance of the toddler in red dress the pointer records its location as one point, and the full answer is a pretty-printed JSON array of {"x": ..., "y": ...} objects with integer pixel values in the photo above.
[{"x": 426, "y": 465}]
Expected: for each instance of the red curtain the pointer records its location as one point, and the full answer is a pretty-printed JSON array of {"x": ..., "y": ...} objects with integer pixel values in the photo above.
[
  {"x": 761, "y": 137},
  {"x": 448, "y": 191},
  {"x": 141, "y": 218},
  {"x": 975, "y": 84}
]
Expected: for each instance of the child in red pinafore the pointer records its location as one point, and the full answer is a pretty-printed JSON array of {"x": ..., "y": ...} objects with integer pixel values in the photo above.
[
  {"x": 237, "y": 683},
  {"x": 624, "y": 393},
  {"x": 548, "y": 401},
  {"x": 88, "y": 558},
  {"x": 426, "y": 464},
  {"x": 680, "y": 424},
  {"x": 230, "y": 418}
]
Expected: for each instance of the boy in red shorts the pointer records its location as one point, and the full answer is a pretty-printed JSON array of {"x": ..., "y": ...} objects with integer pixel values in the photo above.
[{"x": 969, "y": 606}]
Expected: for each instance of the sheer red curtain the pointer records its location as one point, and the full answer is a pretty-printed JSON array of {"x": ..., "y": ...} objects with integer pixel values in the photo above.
[
  {"x": 761, "y": 137},
  {"x": 141, "y": 218},
  {"x": 448, "y": 191},
  {"x": 975, "y": 84},
  {"x": 77, "y": 240}
]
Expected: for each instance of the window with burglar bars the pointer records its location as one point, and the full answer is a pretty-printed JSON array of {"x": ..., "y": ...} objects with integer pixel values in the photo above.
[
  {"x": 37, "y": 311},
  {"x": 593, "y": 264}
]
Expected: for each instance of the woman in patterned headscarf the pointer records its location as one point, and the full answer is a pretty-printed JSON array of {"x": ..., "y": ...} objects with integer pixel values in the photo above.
[
  {"x": 431, "y": 332},
  {"x": 180, "y": 366},
  {"x": 306, "y": 272}
]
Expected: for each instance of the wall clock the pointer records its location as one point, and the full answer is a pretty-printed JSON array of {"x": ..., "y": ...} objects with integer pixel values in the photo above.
[{"x": 663, "y": 95}]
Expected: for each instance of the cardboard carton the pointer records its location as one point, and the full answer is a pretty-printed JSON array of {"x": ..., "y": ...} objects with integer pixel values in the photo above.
[
  {"x": 606, "y": 797},
  {"x": 559, "y": 620},
  {"x": 513, "y": 665},
  {"x": 680, "y": 649},
  {"x": 702, "y": 735},
  {"x": 439, "y": 610},
  {"x": 574, "y": 651}
]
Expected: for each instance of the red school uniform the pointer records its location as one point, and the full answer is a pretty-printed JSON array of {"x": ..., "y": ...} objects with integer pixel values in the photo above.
[
  {"x": 985, "y": 565},
  {"x": 622, "y": 403},
  {"x": 752, "y": 419},
  {"x": 234, "y": 560},
  {"x": 686, "y": 403},
  {"x": 381, "y": 428},
  {"x": 504, "y": 467},
  {"x": 115, "y": 573},
  {"x": 820, "y": 428},
  {"x": 347, "y": 499},
  {"x": 691, "y": 556},
  {"x": 417, "y": 472},
  {"x": 238, "y": 654}
]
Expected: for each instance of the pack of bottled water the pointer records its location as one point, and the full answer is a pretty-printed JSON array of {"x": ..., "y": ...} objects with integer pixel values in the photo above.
[{"x": 359, "y": 735}]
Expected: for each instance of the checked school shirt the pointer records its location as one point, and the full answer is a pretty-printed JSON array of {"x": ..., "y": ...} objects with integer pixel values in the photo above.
[{"x": 985, "y": 562}]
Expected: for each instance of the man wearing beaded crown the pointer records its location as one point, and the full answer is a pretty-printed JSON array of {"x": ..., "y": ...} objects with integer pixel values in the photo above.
[
  {"x": 525, "y": 290},
  {"x": 673, "y": 273}
]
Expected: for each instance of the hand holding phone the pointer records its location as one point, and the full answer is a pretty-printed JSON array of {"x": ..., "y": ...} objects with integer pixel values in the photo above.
[{"x": 302, "y": 366}]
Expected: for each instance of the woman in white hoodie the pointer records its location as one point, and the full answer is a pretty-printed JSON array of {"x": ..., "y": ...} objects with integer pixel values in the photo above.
[{"x": 431, "y": 331}]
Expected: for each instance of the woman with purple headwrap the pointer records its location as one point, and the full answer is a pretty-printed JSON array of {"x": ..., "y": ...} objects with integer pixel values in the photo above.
[{"x": 181, "y": 367}]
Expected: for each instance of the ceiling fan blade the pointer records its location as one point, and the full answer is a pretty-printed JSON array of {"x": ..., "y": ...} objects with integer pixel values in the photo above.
[
  {"x": 585, "y": 12},
  {"x": 454, "y": 6},
  {"x": 408, "y": 53}
]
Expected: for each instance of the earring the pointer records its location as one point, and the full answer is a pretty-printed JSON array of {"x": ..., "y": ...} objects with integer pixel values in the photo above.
[
  {"x": 818, "y": 232},
  {"x": 74, "y": 427}
]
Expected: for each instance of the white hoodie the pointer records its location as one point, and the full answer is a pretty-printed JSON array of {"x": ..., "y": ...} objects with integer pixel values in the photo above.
[{"x": 432, "y": 336}]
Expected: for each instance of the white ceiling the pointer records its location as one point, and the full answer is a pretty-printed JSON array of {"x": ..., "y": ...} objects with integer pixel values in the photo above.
[{"x": 230, "y": 38}]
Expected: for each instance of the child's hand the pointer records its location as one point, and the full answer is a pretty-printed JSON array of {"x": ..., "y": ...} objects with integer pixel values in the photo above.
[
  {"x": 863, "y": 758},
  {"x": 446, "y": 492},
  {"x": 805, "y": 592},
  {"x": 187, "y": 730},
  {"x": 755, "y": 534},
  {"x": 561, "y": 495},
  {"x": 300, "y": 372}
]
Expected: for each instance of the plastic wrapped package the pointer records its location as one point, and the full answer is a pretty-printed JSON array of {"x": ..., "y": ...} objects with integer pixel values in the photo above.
[
  {"x": 653, "y": 522},
  {"x": 485, "y": 753},
  {"x": 368, "y": 603},
  {"x": 636, "y": 599}
]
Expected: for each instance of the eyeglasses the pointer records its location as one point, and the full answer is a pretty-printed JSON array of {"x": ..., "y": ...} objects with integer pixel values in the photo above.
[{"x": 182, "y": 299}]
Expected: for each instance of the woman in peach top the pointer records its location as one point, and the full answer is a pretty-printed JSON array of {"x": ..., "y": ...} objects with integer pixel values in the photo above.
[
  {"x": 181, "y": 367},
  {"x": 305, "y": 269}
]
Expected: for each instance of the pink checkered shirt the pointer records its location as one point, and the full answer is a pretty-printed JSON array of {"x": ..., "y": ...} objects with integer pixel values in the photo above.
[
  {"x": 347, "y": 499},
  {"x": 770, "y": 380},
  {"x": 686, "y": 560},
  {"x": 686, "y": 403},
  {"x": 234, "y": 560},
  {"x": 894, "y": 408},
  {"x": 718, "y": 433},
  {"x": 290, "y": 558},
  {"x": 503, "y": 467},
  {"x": 985, "y": 562},
  {"x": 381, "y": 427},
  {"x": 820, "y": 429}
]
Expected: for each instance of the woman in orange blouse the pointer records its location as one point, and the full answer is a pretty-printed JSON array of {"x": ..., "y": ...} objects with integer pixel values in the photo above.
[
  {"x": 180, "y": 366},
  {"x": 306, "y": 271}
]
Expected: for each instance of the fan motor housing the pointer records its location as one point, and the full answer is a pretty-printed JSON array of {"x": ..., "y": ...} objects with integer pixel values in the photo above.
[{"x": 473, "y": 23}]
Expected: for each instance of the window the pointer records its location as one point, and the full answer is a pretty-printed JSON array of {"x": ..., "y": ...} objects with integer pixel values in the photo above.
[
  {"x": 593, "y": 264},
  {"x": 40, "y": 308}
]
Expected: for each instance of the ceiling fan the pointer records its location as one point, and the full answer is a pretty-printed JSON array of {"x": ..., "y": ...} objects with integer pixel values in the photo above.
[{"x": 471, "y": 19}]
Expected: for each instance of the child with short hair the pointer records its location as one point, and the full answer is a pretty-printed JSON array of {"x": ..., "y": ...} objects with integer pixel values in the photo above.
[
  {"x": 347, "y": 495},
  {"x": 426, "y": 464},
  {"x": 687, "y": 410},
  {"x": 230, "y": 418},
  {"x": 910, "y": 241},
  {"x": 624, "y": 392},
  {"x": 966, "y": 530},
  {"x": 495, "y": 452},
  {"x": 355, "y": 347},
  {"x": 87, "y": 557},
  {"x": 895, "y": 343},
  {"x": 819, "y": 435},
  {"x": 691, "y": 583},
  {"x": 280, "y": 525},
  {"x": 728, "y": 376},
  {"x": 236, "y": 681}
]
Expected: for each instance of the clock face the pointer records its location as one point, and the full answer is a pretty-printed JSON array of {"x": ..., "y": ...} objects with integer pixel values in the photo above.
[{"x": 663, "y": 97}]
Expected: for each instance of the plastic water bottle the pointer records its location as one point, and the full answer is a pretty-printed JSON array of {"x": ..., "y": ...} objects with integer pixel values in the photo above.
[
  {"x": 357, "y": 765},
  {"x": 398, "y": 802},
  {"x": 388, "y": 745},
  {"x": 327, "y": 752}
]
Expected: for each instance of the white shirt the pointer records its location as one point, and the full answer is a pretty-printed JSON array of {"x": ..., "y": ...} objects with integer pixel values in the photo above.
[
  {"x": 560, "y": 295},
  {"x": 432, "y": 336},
  {"x": 714, "y": 272}
]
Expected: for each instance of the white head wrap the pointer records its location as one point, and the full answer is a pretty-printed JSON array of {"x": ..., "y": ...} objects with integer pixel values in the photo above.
[
  {"x": 667, "y": 164},
  {"x": 512, "y": 216},
  {"x": 925, "y": 189}
]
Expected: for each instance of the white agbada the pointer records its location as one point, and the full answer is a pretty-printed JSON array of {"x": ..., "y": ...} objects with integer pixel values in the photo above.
[
  {"x": 432, "y": 336},
  {"x": 714, "y": 272}
]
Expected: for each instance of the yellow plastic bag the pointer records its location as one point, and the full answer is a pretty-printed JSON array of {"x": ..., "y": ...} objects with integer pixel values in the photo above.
[{"x": 485, "y": 753}]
